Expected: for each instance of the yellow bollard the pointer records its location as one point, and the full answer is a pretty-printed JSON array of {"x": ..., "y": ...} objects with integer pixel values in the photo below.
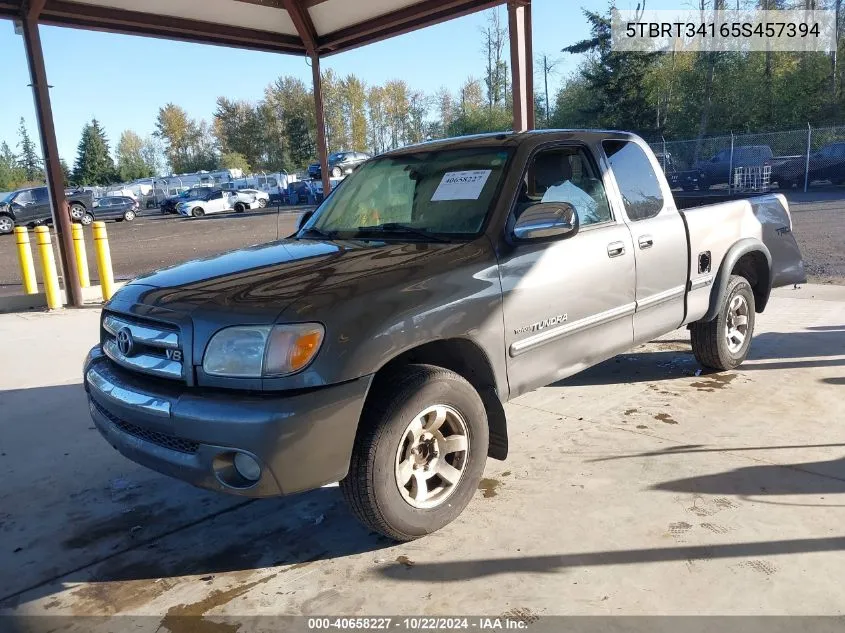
[
  {"x": 30, "y": 283},
  {"x": 101, "y": 247},
  {"x": 81, "y": 254},
  {"x": 48, "y": 267}
]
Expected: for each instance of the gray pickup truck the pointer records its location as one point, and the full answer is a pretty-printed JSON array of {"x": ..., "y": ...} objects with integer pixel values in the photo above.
[{"x": 376, "y": 346}]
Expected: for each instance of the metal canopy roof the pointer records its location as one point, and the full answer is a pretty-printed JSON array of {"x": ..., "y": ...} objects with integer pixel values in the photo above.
[{"x": 320, "y": 27}]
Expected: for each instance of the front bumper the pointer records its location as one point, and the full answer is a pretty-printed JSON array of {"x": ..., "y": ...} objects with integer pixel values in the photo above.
[{"x": 301, "y": 441}]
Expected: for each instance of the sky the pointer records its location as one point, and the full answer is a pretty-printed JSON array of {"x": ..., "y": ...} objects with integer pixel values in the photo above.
[{"x": 123, "y": 80}]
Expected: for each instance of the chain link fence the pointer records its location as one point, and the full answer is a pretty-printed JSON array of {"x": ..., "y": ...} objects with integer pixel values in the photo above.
[{"x": 810, "y": 157}]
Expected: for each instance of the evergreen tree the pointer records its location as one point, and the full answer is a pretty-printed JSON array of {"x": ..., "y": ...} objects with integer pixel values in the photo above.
[
  {"x": 616, "y": 81},
  {"x": 12, "y": 175},
  {"x": 28, "y": 158},
  {"x": 94, "y": 164},
  {"x": 65, "y": 171}
]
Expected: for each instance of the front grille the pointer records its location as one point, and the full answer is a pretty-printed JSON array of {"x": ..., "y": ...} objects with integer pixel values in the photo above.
[
  {"x": 154, "y": 437},
  {"x": 153, "y": 348}
]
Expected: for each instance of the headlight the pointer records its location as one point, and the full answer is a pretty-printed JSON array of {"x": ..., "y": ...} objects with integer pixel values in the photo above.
[{"x": 255, "y": 351}]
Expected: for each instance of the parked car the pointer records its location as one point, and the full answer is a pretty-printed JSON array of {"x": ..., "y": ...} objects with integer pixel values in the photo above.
[
  {"x": 300, "y": 192},
  {"x": 262, "y": 197},
  {"x": 118, "y": 208},
  {"x": 826, "y": 164},
  {"x": 377, "y": 345},
  {"x": 340, "y": 164},
  {"x": 216, "y": 201},
  {"x": 717, "y": 170},
  {"x": 31, "y": 206},
  {"x": 169, "y": 204}
]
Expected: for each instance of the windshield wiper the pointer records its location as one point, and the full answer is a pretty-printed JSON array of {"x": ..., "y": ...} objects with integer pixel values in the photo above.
[
  {"x": 314, "y": 231},
  {"x": 398, "y": 227}
]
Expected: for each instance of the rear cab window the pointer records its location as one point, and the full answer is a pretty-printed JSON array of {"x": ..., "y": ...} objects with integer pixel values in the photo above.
[{"x": 642, "y": 195}]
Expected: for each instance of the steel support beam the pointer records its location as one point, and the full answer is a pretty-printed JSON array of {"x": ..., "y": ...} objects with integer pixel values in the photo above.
[
  {"x": 322, "y": 149},
  {"x": 522, "y": 64},
  {"x": 52, "y": 166}
]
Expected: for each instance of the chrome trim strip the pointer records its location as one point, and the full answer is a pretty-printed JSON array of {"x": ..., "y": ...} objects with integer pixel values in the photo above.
[
  {"x": 142, "y": 333},
  {"x": 661, "y": 297},
  {"x": 154, "y": 365},
  {"x": 121, "y": 395},
  {"x": 701, "y": 282},
  {"x": 567, "y": 329}
]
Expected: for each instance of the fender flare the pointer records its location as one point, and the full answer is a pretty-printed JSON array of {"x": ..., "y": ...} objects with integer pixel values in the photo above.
[{"x": 720, "y": 283}]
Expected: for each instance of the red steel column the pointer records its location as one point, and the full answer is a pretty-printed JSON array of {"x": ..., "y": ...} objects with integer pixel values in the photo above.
[
  {"x": 522, "y": 64},
  {"x": 53, "y": 169},
  {"x": 322, "y": 149}
]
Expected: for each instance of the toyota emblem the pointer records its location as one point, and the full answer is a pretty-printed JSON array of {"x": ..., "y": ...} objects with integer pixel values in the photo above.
[{"x": 124, "y": 341}]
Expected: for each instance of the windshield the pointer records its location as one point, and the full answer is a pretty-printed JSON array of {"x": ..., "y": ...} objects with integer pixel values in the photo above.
[
  {"x": 7, "y": 199},
  {"x": 442, "y": 192}
]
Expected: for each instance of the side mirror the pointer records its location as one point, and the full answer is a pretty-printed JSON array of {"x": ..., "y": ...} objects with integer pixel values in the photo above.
[
  {"x": 547, "y": 220},
  {"x": 303, "y": 220}
]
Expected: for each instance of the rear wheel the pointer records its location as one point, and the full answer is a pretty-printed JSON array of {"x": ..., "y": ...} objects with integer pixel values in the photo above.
[
  {"x": 7, "y": 224},
  {"x": 197, "y": 212},
  {"x": 785, "y": 184},
  {"x": 240, "y": 207},
  {"x": 419, "y": 453},
  {"x": 129, "y": 215},
  {"x": 337, "y": 172},
  {"x": 723, "y": 343}
]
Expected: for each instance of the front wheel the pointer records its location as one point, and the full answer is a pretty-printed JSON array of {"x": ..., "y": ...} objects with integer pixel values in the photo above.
[
  {"x": 240, "y": 207},
  {"x": 7, "y": 224},
  {"x": 77, "y": 212},
  {"x": 723, "y": 343},
  {"x": 419, "y": 453},
  {"x": 262, "y": 203},
  {"x": 87, "y": 219},
  {"x": 337, "y": 172}
]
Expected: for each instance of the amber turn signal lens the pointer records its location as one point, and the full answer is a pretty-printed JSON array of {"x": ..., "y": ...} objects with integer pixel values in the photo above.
[{"x": 303, "y": 349}]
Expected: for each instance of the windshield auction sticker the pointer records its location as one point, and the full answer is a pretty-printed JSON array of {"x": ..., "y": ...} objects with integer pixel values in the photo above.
[
  {"x": 461, "y": 185},
  {"x": 668, "y": 30}
]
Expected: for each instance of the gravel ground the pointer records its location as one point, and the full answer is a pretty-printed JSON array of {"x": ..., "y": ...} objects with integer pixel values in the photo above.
[{"x": 155, "y": 241}]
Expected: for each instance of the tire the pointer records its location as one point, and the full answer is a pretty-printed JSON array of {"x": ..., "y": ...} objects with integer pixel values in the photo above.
[
  {"x": 7, "y": 224},
  {"x": 710, "y": 339},
  {"x": 77, "y": 212},
  {"x": 197, "y": 212},
  {"x": 416, "y": 396},
  {"x": 785, "y": 184},
  {"x": 262, "y": 203},
  {"x": 337, "y": 172},
  {"x": 87, "y": 219},
  {"x": 129, "y": 215},
  {"x": 240, "y": 207}
]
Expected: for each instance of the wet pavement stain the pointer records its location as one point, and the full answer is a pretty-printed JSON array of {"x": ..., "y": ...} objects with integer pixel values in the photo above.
[
  {"x": 187, "y": 618},
  {"x": 489, "y": 487},
  {"x": 506, "y": 473},
  {"x": 642, "y": 426},
  {"x": 117, "y": 525},
  {"x": 405, "y": 561},
  {"x": 630, "y": 411},
  {"x": 665, "y": 418},
  {"x": 713, "y": 382},
  {"x": 109, "y": 598}
]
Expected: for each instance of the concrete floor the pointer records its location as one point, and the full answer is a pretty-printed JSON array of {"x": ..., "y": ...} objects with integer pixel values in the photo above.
[{"x": 636, "y": 487}]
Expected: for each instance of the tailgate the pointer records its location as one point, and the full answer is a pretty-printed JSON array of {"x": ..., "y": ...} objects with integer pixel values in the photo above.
[{"x": 772, "y": 212}]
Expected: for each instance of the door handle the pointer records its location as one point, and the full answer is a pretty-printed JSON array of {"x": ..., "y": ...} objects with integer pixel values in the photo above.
[
  {"x": 615, "y": 249},
  {"x": 645, "y": 241}
]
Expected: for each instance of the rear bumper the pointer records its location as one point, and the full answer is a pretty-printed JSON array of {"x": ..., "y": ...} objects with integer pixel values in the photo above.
[{"x": 301, "y": 441}]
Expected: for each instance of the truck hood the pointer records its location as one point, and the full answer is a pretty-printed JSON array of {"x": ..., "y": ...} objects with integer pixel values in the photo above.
[{"x": 257, "y": 283}]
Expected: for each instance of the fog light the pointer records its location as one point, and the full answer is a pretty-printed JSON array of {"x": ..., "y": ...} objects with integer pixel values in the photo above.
[{"x": 247, "y": 467}]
